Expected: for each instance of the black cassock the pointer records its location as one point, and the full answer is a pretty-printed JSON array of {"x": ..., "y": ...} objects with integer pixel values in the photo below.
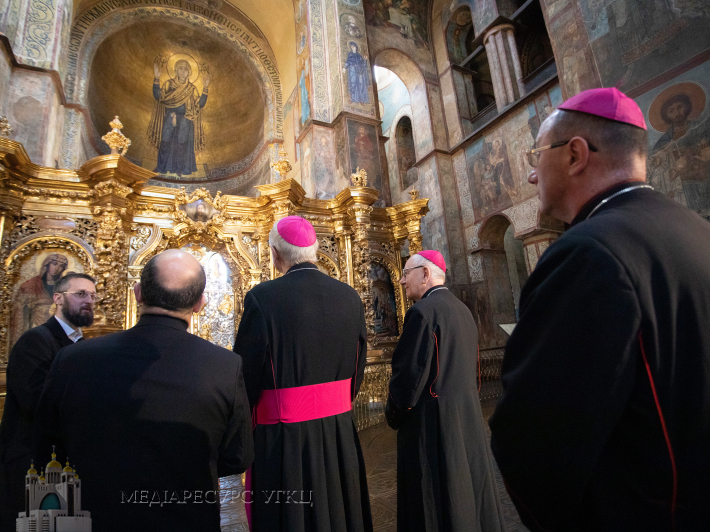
[
  {"x": 445, "y": 476},
  {"x": 578, "y": 435},
  {"x": 301, "y": 329}
]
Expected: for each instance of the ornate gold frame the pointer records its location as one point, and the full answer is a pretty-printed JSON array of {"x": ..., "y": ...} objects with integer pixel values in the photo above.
[{"x": 133, "y": 222}]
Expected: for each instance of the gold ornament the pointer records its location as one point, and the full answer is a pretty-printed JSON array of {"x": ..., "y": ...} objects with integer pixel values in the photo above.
[
  {"x": 115, "y": 139},
  {"x": 414, "y": 194},
  {"x": 359, "y": 178},
  {"x": 282, "y": 166},
  {"x": 5, "y": 127}
]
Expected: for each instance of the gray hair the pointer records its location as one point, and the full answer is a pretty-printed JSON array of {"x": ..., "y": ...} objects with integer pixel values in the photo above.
[
  {"x": 436, "y": 273},
  {"x": 292, "y": 254}
]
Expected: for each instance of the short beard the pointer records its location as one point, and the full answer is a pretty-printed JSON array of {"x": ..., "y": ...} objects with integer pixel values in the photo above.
[{"x": 76, "y": 318}]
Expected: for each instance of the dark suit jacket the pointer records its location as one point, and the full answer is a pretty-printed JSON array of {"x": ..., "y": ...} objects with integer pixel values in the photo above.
[
  {"x": 577, "y": 434},
  {"x": 27, "y": 368},
  {"x": 151, "y": 414}
]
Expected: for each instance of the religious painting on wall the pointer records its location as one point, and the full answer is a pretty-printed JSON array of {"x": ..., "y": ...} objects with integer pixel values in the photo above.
[
  {"x": 383, "y": 302},
  {"x": 406, "y": 156},
  {"x": 406, "y": 18},
  {"x": 325, "y": 179},
  {"x": 364, "y": 153},
  {"x": 490, "y": 175},
  {"x": 175, "y": 128},
  {"x": 358, "y": 74},
  {"x": 678, "y": 116},
  {"x": 183, "y": 96},
  {"x": 215, "y": 322},
  {"x": 304, "y": 91},
  {"x": 32, "y": 300}
]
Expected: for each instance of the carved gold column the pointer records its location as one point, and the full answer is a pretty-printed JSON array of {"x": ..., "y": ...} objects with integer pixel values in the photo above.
[
  {"x": 356, "y": 204},
  {"x": 114, "y": 180},
  {"x": 407, "y": 221}
]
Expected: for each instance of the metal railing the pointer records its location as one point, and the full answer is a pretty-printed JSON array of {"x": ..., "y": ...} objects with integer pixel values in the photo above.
[{"x": 372, "y": 397}]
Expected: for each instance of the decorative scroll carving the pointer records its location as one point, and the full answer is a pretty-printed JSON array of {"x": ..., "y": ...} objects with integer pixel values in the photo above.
[
  {"x": 5, "y": 127},
  {"x": 142, "y": 235},
  {"x": 371, "y": 399},
  {"x": 28, "y": 225},
  {"x": 111, "y": 265},
  {"x": 360, "y": 222},
  {"x": 328, "y": 265},
  {"x": 329, "y": 246}
]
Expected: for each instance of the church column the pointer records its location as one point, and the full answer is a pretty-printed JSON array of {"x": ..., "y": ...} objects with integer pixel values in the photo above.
[
  {"x": 506, "y": 92},
  {"x": 513, "y": 47},
  {"x": 496, "y": 72}
]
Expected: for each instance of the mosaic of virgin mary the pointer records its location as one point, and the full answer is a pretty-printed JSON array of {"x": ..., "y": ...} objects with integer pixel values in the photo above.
[
  {"x": 358, "y": 80},
  {"x": 175, "y": 128}
]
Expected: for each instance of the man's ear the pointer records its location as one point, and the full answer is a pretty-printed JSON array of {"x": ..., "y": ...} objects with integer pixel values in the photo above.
[
  {"x": 578, "y": 151},
  {"x": 138, "y": 292},
  {"x": 57, "y": 298},
  {"x": 199, "y": 305}
]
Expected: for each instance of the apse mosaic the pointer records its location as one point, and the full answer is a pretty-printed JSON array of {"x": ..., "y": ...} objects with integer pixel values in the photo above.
[
  {"x": 32, "y": 301},
  {"x": 183, "y": 97}
]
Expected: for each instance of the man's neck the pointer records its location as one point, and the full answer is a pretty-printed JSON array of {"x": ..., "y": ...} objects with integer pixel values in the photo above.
[
  {"x": 182, "y": 315},
  {"x": 65, "y": 321}
]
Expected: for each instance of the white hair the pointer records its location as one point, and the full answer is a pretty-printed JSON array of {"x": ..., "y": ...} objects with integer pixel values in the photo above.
[
  {"x": 292, "y": 254},
  {"x": 436, "y": 273}
]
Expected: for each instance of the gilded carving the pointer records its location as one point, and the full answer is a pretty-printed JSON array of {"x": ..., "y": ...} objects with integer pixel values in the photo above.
[
  {"x": 115, "y": 139},
  {"x": 5, "y": 127}
]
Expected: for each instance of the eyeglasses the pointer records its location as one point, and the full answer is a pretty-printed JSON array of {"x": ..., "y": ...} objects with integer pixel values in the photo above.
[
  {"x": 534, "y": 153},
  {"x": 82, "y": 294},
  {"x": 406, "y": 271}
]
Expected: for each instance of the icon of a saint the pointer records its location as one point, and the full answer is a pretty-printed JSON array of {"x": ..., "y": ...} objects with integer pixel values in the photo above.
[
  {"x": 175, "y": 128},
  {"x": 33, "y": 300},
  {"x": 356, "y": 68}
]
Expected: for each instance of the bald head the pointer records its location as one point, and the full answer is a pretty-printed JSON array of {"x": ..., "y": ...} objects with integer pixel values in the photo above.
[{"x": 172, "y": 280}]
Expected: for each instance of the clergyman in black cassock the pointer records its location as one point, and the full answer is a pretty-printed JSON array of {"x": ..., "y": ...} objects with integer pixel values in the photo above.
[
  {"x": 301, "y": 329},
  {"x": 30, "y": 360},
  {"x": 445, "y": 474},
  {"x": 151, "y": 416},
  {"x": 604, "y": 423}
]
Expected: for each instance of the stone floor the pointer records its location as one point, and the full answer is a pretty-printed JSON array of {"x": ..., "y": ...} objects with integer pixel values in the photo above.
[{"x": 379, "y": 449}]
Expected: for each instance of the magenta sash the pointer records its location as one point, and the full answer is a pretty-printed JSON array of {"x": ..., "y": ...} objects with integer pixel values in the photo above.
[{"x": 303, "y": 403}]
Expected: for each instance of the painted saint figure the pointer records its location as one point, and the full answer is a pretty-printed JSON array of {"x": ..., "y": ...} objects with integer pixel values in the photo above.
[
  {"x": 34, "y": 297},
  {"x": 305, "y": 106},
  {"x": 356, "y": 68},
  {"x": 175, "y": 128}
]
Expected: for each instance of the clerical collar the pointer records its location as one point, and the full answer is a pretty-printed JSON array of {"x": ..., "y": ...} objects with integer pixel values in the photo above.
[
  {"x": 600, "y": 199},
  {"x": 434, "y": 289},
  {"x": 302, "y": 266}
]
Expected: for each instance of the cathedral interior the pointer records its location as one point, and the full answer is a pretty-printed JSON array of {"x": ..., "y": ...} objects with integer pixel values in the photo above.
[{"x": 392, "y": 125}]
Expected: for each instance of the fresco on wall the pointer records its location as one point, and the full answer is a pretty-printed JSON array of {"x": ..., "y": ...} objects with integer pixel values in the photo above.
[
  {"x": 635, "y": 40},
  {"x": 364, "y": 152},
  {"x": 357, "y": 69},
  {"x": 406, "y": 18},
  {"x": 182, "y": 96},
  {"x": 32, "y": 301},
  {"x": 678, "y": 113},
  {"x": 351, "y": 25},
  {"x": 326, "y": 182},
  {"x": 304, "y": 91},
  {"x": 383, "y": 302},
  {"x": 489, "y": 174},
  {"x": 406, "y": 157}
]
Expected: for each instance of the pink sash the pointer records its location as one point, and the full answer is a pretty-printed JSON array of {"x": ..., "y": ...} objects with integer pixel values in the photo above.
[
  {"x": 300, "y": 403},
  {"x": 303, "y": 403}
]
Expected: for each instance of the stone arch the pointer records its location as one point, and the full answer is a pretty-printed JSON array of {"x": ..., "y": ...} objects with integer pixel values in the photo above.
[
  {"x": 412, "y": 77},
  {"x": 459, "y": 32},
  {"x": 495, "y": 300}
]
